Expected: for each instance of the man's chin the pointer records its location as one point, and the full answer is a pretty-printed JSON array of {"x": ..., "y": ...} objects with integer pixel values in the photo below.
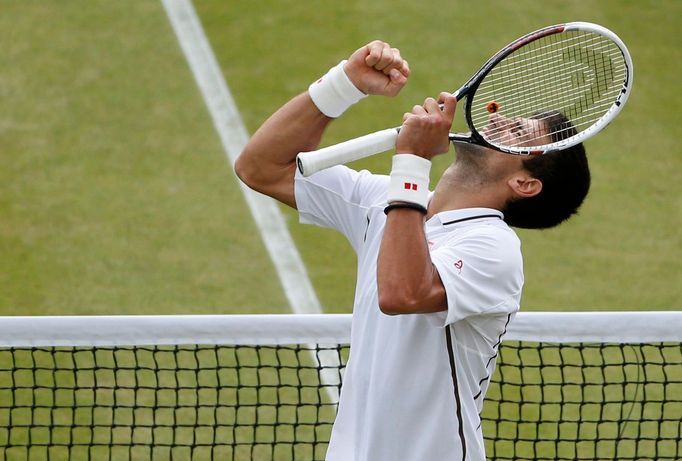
[{"x": 463, "y": 148}]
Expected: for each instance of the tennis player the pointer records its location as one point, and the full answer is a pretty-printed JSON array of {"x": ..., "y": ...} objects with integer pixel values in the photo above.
[{"x": 439, "y": 273}]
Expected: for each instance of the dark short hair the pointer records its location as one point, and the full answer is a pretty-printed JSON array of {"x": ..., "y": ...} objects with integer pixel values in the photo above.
[{"x": 565, "y": 177}]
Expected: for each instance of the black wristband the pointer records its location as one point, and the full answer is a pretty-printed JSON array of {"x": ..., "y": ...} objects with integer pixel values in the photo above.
[{"x": 412, "y": 206}]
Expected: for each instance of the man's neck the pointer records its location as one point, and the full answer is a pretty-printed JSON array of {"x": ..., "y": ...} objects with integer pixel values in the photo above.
[{"x": 456, "y": 191}]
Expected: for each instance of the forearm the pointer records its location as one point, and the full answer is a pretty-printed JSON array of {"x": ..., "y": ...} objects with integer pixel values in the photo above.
[
  {"x": 408, "y": 282},
  {"x": 407, "y": 279},
  {"x": 268, "y": 162}
]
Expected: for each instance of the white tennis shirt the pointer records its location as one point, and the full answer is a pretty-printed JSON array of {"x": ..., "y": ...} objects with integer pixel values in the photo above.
[{"x": 414, "y": 384}]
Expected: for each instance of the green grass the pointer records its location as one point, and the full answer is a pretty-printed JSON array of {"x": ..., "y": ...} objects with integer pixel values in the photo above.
[{"x": 116, "y": 197}]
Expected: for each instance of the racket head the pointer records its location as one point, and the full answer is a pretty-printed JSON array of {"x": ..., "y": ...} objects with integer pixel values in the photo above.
[{"x": 548, "y": 90}]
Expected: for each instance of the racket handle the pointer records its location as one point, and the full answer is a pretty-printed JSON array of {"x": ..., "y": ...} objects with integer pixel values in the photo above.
[{"x": 348, "y": 151}]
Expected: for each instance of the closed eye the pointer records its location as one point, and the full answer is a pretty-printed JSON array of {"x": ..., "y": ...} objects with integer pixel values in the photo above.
[{"x": 518, "y": 129}]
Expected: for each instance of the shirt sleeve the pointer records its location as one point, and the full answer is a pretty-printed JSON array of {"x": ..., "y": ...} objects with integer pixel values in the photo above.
[
  {"x": 482, "y": 274},
  {"x": 339, "y": 198}
]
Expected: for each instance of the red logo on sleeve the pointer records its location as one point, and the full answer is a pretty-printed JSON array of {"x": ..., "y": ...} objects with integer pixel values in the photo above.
[{"x": 410, "y": 185}]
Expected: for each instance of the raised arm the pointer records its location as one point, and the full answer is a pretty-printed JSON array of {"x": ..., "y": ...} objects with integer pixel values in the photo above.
[
  {"x": 407, "y": 280},
  {"x": 268, "y": 162}
]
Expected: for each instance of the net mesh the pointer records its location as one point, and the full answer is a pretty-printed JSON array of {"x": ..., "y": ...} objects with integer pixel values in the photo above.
[
  {"x": 585, "y": 402},
  {"x": 546, "y": 401},
  {"x": 576, "y": 74},
  {"x": 167, "y": 402}
]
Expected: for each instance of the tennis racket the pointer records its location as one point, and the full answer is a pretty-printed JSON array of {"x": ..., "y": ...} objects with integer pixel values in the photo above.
[{"x": 579, "y": 70}]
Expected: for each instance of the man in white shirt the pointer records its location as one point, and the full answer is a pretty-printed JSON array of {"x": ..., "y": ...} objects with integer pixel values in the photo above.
[{"x": 414, "y": 384}]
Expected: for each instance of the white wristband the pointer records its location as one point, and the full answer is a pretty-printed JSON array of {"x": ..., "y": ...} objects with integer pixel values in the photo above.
[
  {"x": 333, "y": 93},
  {"x": 409, "y": 180}
]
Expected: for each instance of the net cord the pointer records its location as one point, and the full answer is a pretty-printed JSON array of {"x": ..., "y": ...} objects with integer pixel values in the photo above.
[{"x": 613, "y": 327}]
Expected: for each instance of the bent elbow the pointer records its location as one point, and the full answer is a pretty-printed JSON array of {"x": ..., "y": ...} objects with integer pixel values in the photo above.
[
  {"x": 243, "y": 170},
  {"x": 391, "y": 304},
  {"x": 387, "y": 307},
  {"x": 250, "y": 173}
]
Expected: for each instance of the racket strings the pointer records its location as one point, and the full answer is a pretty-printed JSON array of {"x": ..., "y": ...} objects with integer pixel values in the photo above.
[
  {"x": 539, "y": 138},
  {"x": 532, "y": 58},
  {"x": 544, "y": 99},
  {"x": 561, "y": 77},
  {"x": 578, "y": 74},
  {"x": 549, "y": 62},
  {"x": 563, "y": 72},
  {"x": 558, "y": 77},
  {"x": 539, "y": 51},
  {"x": 499, "y": 135}
]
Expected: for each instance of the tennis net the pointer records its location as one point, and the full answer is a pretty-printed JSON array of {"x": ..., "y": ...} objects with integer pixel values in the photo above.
[{"x": 567, "y": 386}]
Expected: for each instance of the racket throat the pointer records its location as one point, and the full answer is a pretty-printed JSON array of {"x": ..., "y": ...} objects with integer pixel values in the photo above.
[
  {"x": 477, "y": 139},
  {"x": 463, "y": 137}
]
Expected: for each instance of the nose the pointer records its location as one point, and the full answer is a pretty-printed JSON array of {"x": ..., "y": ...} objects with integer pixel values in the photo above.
[
  {"x": 497, "y": 121},
  {"x": 493, "y": 119}
]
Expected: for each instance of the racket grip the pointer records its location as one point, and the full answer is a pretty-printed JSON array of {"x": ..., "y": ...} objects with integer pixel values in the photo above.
[{"x": 348, "y": 151}]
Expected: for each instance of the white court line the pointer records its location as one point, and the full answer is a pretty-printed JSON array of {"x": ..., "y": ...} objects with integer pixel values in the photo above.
[
  {"x": 229, "y": 125},
  {"x": 233, "y": 135}
]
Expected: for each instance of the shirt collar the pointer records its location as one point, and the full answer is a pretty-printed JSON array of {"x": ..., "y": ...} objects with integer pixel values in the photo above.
[{"x": 464, "y": 215}]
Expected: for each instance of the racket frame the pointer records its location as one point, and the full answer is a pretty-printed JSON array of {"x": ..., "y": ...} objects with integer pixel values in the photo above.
[{"x": 469, "y": 89}]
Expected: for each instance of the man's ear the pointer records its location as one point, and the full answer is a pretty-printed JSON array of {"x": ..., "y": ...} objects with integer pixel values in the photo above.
[{"x": 524, "y": 185}]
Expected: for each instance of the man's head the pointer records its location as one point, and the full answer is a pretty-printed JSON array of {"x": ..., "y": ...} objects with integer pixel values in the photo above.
[
  {"x": 541, "y": 191},
  {"x": 565, "y": 177}
]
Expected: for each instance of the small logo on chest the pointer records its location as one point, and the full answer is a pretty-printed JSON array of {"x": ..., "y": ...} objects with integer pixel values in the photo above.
[{"x": 458, "y": 265}]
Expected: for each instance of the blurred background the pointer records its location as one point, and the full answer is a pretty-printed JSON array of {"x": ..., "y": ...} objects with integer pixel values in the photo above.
[{"x": 116, "y": 196}]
